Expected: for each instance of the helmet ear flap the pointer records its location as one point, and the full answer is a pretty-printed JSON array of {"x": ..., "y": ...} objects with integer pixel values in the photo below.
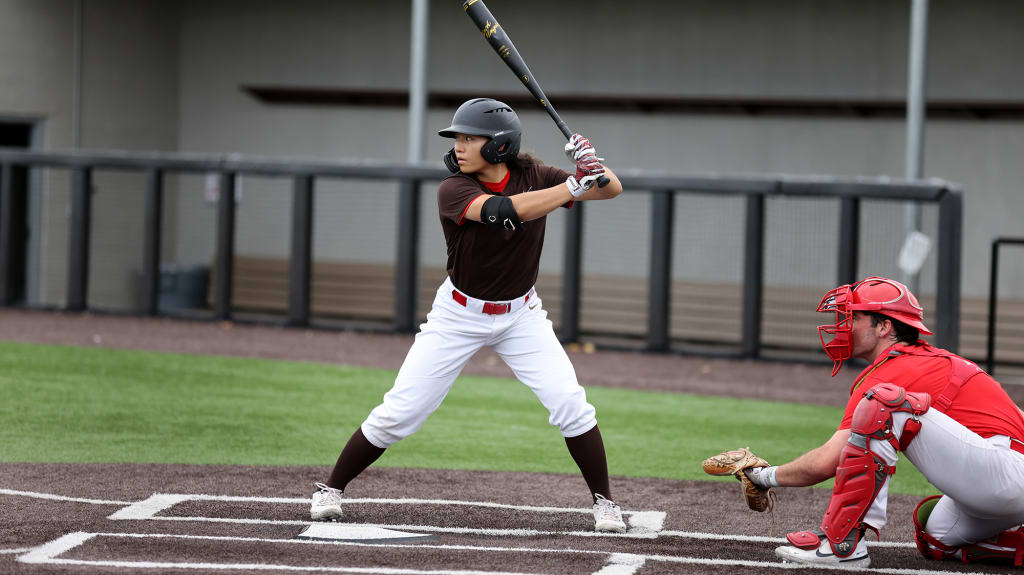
[{"x": 451, "y": 162}]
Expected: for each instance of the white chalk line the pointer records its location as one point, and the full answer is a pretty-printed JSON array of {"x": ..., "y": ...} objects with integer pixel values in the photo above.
[
  {"x": 763, "y": 539},
  {"x": 644, "y": 524},
  {"x": 52, "y": 497},
  {"x": 399, "y": 501},
  {"x": 622, "y": 564},
  {"x": 618, "y": 564},
  {"x": 14, "y": 551}
]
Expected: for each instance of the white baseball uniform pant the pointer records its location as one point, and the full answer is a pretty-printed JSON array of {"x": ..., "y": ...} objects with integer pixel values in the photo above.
[
  {"x": 982, "y": 479},
  {"x": 523, "y": 338}
]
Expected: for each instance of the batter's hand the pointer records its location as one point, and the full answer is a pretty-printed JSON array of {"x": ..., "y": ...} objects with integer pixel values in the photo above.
[
  {"x": 588, "y": 171},
  {"x": 578, "y": 147}
]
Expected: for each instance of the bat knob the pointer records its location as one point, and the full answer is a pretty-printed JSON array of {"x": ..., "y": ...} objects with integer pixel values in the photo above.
[{"x": 602, "y": 181}]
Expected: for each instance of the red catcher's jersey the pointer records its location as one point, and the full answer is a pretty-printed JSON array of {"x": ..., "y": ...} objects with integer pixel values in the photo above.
[{"x": 981, "y": 406}]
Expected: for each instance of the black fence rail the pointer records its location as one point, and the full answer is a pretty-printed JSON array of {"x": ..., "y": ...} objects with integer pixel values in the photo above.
[
  {"x": 849, "y": 192},
  {"x": 993, "y": 295}
]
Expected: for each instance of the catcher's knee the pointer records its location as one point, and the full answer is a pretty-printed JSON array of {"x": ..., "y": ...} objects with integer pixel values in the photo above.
[{"x": 1005, "y": 548}]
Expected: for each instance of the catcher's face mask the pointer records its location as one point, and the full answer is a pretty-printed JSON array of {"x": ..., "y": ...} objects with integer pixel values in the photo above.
[
  {"x": 882, "y": 295},
  {"x": 837, "y": 339}
]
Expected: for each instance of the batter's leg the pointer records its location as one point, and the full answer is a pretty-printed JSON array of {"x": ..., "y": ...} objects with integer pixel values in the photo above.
[
  {"x": 442, "y": 347},
  {"x": 529, "y": 346}
]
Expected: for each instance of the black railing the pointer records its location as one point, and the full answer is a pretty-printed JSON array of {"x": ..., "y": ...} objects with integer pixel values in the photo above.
[
  {"x": 848, "y": 191},
  {"x": 993, "y": 297}
]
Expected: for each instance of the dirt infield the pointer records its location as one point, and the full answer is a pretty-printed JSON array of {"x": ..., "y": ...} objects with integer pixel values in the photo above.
[
  {"x": 484, "y": 522},
  {"x": 99, "y": 518}
]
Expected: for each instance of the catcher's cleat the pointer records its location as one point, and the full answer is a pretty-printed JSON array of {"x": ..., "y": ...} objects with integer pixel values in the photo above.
[
  {"x": 812, "y": 548},
  {"x": 326, "y": 504},
  {"x": 607, "y": 516}
]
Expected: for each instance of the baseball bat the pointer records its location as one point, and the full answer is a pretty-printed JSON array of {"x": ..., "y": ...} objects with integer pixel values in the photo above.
[{"x": 502, "y": 44}]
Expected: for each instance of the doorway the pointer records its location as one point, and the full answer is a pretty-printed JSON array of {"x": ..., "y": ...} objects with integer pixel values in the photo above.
[{"x": 17, "y": 135}]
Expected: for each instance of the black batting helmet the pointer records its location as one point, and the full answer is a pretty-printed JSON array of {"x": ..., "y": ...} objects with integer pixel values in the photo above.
[{"x": 491, "y": 118}]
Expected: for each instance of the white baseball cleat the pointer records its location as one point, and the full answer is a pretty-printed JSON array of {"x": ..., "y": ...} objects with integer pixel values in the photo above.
[
  {"x": 326, "y": 504},
  {"x": 823, "y": 555},
  {"x": 607, "y": 516}
]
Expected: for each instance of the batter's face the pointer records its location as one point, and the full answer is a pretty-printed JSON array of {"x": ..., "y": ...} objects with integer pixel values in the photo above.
[{"x": 467, "y": 152}]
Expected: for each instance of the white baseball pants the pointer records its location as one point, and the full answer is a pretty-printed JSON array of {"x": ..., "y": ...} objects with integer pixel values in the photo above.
[
  {"x": 982, "y": 480},
  {"x": 523, "y": 338}
]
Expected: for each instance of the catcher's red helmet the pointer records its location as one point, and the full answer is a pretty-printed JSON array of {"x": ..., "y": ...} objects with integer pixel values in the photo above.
[{"x": 881, "y": 295}]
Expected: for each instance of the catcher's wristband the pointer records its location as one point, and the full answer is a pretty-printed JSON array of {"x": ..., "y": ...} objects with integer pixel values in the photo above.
[{"x": 764, "y": 476}]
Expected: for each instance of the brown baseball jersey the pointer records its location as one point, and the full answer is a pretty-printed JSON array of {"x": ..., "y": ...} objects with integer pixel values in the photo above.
[{"x": 488, "y": 262}]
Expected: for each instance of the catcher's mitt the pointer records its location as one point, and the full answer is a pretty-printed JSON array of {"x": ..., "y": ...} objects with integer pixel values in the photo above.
[{"x": 733, "y": 463}]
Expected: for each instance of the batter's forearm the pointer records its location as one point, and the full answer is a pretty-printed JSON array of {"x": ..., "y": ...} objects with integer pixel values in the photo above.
[{"x": 533, "y": 205}]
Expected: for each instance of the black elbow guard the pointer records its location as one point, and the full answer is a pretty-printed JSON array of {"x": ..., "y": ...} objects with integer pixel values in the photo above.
[{"x": 499, "y": 211}]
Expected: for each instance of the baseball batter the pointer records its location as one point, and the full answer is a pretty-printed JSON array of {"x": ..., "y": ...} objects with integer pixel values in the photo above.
[
  {"x": 952, "y": 421},
  {"x": 493, "y": 210}
]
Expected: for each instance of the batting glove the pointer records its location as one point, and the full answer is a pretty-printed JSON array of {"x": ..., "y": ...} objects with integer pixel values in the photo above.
[
  {"x": 588, "y": 171},
  {"x": 575, "y": 187},
  {"x": 578, "y": 147}
]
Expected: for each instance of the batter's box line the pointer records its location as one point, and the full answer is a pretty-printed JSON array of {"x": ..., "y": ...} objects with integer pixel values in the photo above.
[
  {"x": 642, "y": 523},
  {"x": 618, "y": 563}
]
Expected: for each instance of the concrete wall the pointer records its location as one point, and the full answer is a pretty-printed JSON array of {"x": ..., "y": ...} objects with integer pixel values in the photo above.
[
  {"x": 128, "y": 98},
  {"x": 795, "y": 49},
  {"x": 168, "y": 75}
]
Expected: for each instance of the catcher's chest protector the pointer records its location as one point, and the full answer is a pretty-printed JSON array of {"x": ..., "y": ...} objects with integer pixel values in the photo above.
[
  {"x": 960, "y": 373},
  {"x": 861, "y": 472}
]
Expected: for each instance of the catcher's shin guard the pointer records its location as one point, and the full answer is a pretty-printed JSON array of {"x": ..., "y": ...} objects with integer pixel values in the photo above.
[
  {"x": 861, "y": 472},
  {"x": 1006, "y": 548}
]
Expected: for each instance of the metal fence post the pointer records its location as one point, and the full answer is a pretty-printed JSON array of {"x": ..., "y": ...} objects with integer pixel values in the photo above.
[
  {"x": 849, "y": 239},
  {"x": 301, "y": 264},
  {"x": 947, "y": 298},
  {"x": 571, "y": 272},
  {"x": 753, "y": 277},
  {"x": 407, "y": 284},
  {"x": 993, "y": 289},
  {"x": 659, "y": 286},
  {"x": 6, "y": 233},
  {"x": 225, "y": 246},
  {"x": 78, "y": 239},
  {"x": 151, "y": 244}
]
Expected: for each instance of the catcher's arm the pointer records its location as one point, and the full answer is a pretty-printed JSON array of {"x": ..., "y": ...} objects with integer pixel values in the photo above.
[{"x": 816, "y": 465}]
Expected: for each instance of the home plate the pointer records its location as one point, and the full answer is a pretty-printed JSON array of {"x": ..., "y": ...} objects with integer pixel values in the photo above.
[{"x": 360, "y": 533}]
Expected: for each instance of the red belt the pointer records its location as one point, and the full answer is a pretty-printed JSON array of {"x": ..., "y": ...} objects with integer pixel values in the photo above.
[
  {"x": 489, "y": 308},
  {"x": 1017, "y": 445}
]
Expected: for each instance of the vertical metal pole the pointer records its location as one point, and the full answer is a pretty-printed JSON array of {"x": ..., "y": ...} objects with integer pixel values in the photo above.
[
  {"x": 407, "y": 262},
  {"x": 571, "y": 274},
  {"x": 78, "y": 239},
  {"x": 916, "y": 68},
  {"x": 151, "y": 246},
  {"x": 947, "y": 300},
  {"x": 753, "y": 277},
  {"x": 225, "y": 246},
  {"x": 77, "y": 41},
  {"x": 418, "y": 49},
  {"x": 6, "y": 233},
  {"x": 849, "y": 239},
  {"x": 993, "y": 298},
  {"x": 659, "y": 287},
  {"x": 301, "y": 261}
]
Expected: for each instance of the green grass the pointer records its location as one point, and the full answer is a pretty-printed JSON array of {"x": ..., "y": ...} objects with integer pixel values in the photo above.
[{"x": 68, "y": 404}]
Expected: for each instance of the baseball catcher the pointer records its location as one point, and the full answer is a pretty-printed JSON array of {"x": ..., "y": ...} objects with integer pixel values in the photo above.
[{"x": 948, "y": 417}]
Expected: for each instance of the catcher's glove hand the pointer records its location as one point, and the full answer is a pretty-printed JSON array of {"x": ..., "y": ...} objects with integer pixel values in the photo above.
[{"x": 734, "y": 463}]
